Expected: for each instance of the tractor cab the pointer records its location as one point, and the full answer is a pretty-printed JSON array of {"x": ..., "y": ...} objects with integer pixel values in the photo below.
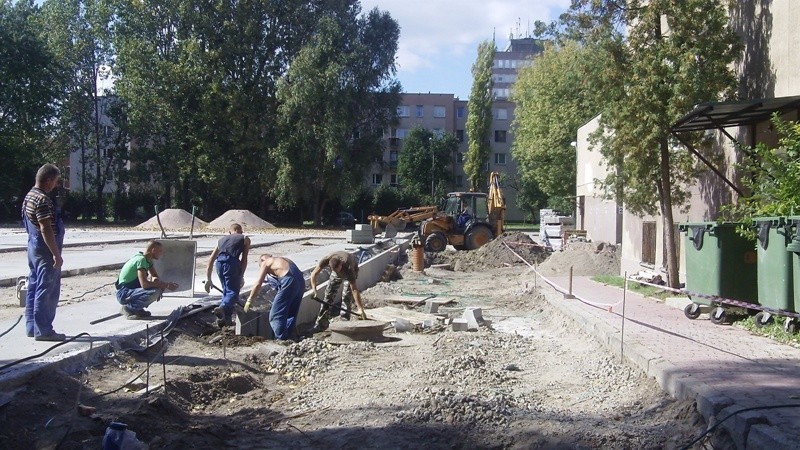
[{"x": 462, "y": 204}]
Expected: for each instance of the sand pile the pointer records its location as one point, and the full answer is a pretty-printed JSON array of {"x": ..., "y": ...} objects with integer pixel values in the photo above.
[
  {"x": 586, "y": 259},
  {"x": 243, "y": 217},
  {"x": 496, "y": 253},
  {"x": 172, "y": 219}
]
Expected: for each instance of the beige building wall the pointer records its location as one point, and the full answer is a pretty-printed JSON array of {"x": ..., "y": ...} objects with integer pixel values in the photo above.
[{"x": 600, "y": 217}]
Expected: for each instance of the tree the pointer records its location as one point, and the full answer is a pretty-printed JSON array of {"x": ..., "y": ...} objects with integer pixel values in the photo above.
[
  {"x": 479, "y": 117},
  {"x": 774, "y": 181},
  {"x": 423, "y": 164},
  {"x": 78, "y": 34},
  {"x": 675, "y": 55},
  {"x": 335, "y": 100},
  {"x": 552, "y": 102},
  {"x": 28, "y": 94}
]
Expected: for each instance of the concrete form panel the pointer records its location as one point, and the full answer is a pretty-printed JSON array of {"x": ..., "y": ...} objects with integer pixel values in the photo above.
[{"x": 177, "y": 265}]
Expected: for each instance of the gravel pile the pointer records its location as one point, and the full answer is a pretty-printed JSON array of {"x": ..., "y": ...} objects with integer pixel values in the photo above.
[
  {"x": 302, "y": 361},
  {"x": 499, "y": 252},
  {"x": 586, "y": 259},
  {"x": 455, "y": 407}
]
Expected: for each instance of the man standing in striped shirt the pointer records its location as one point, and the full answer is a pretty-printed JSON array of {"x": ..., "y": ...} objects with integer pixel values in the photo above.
[{"x": 45, "y": 240}]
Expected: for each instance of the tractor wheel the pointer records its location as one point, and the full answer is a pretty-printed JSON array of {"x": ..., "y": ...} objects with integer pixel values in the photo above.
[
  {"x": 477, "y": 237},
  {"x": 435, "y": 242}
]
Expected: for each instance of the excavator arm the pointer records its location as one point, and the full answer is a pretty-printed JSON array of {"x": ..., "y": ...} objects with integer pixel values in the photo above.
[
  {"x": 400, "y": 218},
  {"x": 497, "y": 204}
]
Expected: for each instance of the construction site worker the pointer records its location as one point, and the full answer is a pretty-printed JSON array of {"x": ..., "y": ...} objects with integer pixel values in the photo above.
[
  {"x": 45, "y": 241},
  {"x": 138, "y": 284},
  {"x": 288, "y": 280},
  {"x": 230, "y": 259},
  {"x": 344, "y": 270}
]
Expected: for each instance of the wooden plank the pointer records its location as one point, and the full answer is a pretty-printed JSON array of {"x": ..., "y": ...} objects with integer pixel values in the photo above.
[
  {"x": 402, "y": 299},
  {"x": 390, "y": 313}
]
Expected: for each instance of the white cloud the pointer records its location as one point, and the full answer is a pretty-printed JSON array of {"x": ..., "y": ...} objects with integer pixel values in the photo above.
[{"x": 432, "y": 28}]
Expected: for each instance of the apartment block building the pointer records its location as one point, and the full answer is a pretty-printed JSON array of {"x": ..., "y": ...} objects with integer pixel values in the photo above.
[{"x": 445, "y": 113}]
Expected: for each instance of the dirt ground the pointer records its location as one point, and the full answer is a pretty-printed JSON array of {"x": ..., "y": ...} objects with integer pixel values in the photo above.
[{"x": 530, "y": 379}]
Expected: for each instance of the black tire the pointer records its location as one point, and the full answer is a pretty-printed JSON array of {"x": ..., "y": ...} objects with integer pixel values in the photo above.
[
  {"x": 692, "y": 311},
  {"x": 477, "y": 237},
  {"x": 718, "y": 315},
  {"x": 791, "y": 325},
  {"x": 435, "y": 242},
  {"x": 762, "y": 319}
]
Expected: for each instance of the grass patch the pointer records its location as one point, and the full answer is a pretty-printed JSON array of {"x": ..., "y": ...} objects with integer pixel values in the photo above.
[
  {"x": 641, "y": 289},
  {"x": 773, "y": 331},
  {"x": 521, "y": 226}
]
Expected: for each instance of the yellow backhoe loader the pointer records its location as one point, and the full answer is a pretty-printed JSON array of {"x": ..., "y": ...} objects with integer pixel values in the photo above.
[{"x": 467, "y": 221}]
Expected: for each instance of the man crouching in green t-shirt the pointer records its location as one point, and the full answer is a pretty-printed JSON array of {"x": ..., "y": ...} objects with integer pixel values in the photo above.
[{"x": 138, "y": 284}]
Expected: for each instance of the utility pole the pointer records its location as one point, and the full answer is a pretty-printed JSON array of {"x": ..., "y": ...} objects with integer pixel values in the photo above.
[{"x": 433, "y": 166}]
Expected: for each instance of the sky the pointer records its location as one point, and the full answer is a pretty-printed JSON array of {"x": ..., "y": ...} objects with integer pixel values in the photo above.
[{"x": 439, "y": 38}]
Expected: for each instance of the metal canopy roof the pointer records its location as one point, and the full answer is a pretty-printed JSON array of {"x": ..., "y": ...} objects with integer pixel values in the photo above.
[{"x": 710, "y": 115}]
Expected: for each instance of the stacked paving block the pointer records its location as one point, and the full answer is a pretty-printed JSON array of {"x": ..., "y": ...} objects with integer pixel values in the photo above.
[{"x": 361, "y": 235}]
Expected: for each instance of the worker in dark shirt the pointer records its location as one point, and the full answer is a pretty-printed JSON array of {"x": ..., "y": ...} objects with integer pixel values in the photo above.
[
  {"x": 230, "y": 259},
  {"x": 344, "y": 270}
]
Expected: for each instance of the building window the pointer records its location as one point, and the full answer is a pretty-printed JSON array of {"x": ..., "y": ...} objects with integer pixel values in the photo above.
[
  {"x": 438, "y": 111},
  {"x": 460, "y": 135},
  {"x": 420, "y": 111},
  {"x": 393, "y": 180},
  {"x": 461, "y": 112},
  {"x": 459, "y": 157},
  {"x": 500, "y": 158},
  {"x": 377, "y": 178},
  {"x": 501, "y": 114},
  {"x": 499, "y": 135},
  {"x": 401, "y": 133},
  {"x": 459, "y": 180},
  {"x": 402, "y": 111},
  {"x": 393, "y": 158},
  {"x": 438, "y": 132}
]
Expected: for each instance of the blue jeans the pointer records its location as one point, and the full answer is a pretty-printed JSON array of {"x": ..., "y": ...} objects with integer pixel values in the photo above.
[
  {"x": 286, "y": 305},
  {"x": 230, "y": 276},
  {"x": 137, "y": 298},
  {"x": 44, "y": 282}
]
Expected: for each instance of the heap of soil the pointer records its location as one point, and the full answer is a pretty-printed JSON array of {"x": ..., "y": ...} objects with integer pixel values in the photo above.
[
  {"x": 172, "y": 219},
  {"x": 243, "y": 217},
  {"x": 586, "y": 259},
  {"x": 500, "y": 252}
]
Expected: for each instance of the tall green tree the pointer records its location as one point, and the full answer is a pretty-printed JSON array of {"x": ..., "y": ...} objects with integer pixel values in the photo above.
[
  {"x": 335, "y": 100},
  {"x": 78, "y": 33},
  {"x": 675, "y": 54},
  {"x": 199, "y": 81},
  {"x": 552, "y": 101},
  {"x": 479, "y": 117},
  {"x": 29, "y": 80},
  {"x": 424, "y": 163}
]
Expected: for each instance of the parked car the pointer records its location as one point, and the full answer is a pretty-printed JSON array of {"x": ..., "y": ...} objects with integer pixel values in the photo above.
[{"x": 345, "y": 219}]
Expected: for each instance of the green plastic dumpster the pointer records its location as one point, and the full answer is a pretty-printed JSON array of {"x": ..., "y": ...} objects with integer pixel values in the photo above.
[
  {"x": 775, "y": 277},
  {"x": 793, "y": 248},
  {"x": 719, "y": 262}
]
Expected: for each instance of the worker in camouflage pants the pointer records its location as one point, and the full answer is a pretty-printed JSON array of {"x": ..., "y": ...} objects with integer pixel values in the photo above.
[{"x": 344, "y": 271}]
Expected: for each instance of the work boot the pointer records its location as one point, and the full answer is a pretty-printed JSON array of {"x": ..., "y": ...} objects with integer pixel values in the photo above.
[
  {"x": 225, "y": 322},
  {"x": 127, "y": 312},
  {"x": 143, "y": 313},
  {"x": 54, "y": 337},
  {"x": 219, "y": 312}
]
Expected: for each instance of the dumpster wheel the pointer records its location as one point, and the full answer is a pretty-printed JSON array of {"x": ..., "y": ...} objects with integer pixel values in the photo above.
[
  {"x": 692, "y": 311},
  {"x": 763, "y": 319},
  {"x": 791, "y": 325},
  {"x": 718, "y": 315}
]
